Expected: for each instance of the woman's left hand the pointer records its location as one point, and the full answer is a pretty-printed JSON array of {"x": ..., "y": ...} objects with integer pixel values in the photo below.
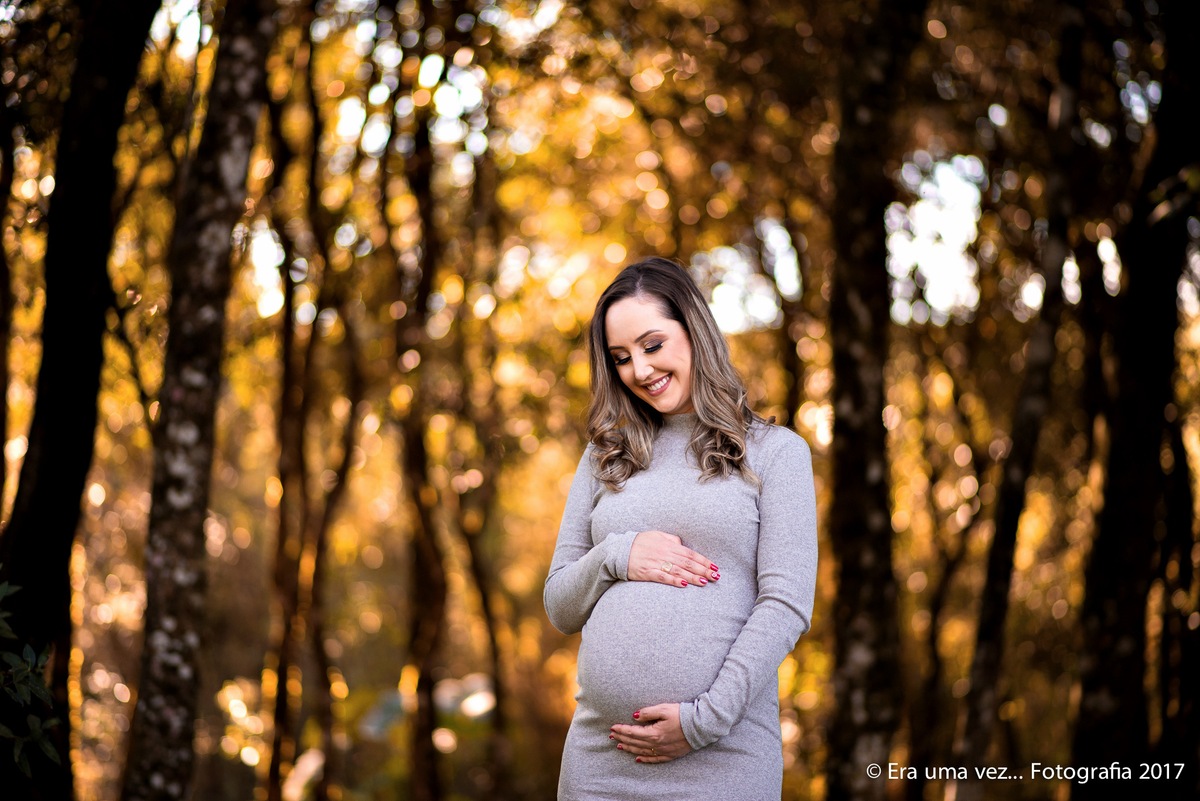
[{"x": 656, "y": 737}]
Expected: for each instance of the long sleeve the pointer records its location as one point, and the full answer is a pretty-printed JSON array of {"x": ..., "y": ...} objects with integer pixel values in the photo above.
[
  {"x": 581, "y": 571},
  {"x": 787, "y": 571}
]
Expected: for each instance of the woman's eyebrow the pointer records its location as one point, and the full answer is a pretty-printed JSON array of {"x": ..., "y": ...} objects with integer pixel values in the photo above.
[{"x": 639, "y": 339}]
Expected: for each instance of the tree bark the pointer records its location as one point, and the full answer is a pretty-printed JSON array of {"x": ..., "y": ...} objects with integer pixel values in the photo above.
[
  {"x": 428, "y": 569},
  {"x": 312, "y": 578},
  {"x": 1179, "y": 643},
  {"x": 928, "y": 747},
  {"x": 36, "y": 548},
  {"x": 427, "y": 589},
  {"x": 6, "y": 293},
  {"x": 1030, "y": 409},
  {"x": 161, "y": 754},
  {"x": 866, "y": 655},
  {"x": 1112, "y": 723},
  {"x": 292, "y": 513},
  {"x": 477, "y": 509}
]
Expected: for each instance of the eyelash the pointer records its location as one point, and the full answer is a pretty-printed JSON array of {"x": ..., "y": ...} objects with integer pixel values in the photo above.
[{"x": 649, "y": 349}]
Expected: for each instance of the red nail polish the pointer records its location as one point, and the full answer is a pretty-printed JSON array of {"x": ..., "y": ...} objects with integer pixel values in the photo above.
[
  {"x": 714, "y": 567},
  {"x": 683, "y": 584},
  {"x": 620, "y": 747},
  {"x": 639, "y": 759},
  {"x": 611, "y": 737},
  {"x": 716, "y": 576},
  {"x": 635, "y": 714},
  {"x": 703, "y": 581}
]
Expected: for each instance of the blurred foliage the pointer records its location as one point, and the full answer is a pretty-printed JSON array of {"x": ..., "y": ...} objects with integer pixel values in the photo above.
[
  {"x": 25, "y": 694},
  {"x": 568, "y": 139}
]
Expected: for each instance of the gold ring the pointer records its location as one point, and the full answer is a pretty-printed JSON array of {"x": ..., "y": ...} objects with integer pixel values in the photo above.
[
  {"x": 666, "y": 567},
  {"x": 654, "y": 751}
]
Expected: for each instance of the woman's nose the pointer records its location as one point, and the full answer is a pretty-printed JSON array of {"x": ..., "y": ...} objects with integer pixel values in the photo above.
[{"x": 641, "y": 368}]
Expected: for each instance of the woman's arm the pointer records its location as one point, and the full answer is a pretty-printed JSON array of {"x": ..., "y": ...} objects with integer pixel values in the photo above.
[
  {"x": 787, "y": 573},
  {"x": 580, "y": 572}
]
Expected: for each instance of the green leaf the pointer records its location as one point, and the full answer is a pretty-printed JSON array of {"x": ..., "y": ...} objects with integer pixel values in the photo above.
[
  {"x": 41, "y": 692},
  {"x": 49, "y": 750}
]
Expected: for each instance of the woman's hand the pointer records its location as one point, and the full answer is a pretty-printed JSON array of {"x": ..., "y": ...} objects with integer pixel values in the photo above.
[
  {"x": 657, "y": 737},
  {"x": 659, "y": 556}
]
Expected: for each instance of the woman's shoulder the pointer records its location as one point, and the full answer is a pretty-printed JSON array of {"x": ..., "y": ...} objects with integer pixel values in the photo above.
[{"x": 766, "y": 442}]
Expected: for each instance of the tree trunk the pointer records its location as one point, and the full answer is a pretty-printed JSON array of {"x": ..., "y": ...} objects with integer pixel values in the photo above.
[
  {"x": 283, "y": 654},
  {"x": 283, "y": 156},
  {"x": 1179, "y": 740},
  {"x": 866, "y": 656},
  {"x": 1112, "y": 723},
  {"x": 36, "y": 548},
  {"x": 212, "y": 201},
  {"x": 928, "y": 747},
  {"x": 428, "y": 589},
  {"x": 312, "y": 576},
  {"x": 6, "y": 293},
  {"x": 478, "y": 508},
  {"x": 428, "y": 605},
  {"x": 1094, "y": 315},
  {"x": 1030, "y": 409},
  {"x": 428, "y": 569}
]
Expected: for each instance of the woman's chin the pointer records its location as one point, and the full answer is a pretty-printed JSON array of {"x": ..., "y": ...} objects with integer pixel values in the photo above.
[{"x": 666, "y": 404}]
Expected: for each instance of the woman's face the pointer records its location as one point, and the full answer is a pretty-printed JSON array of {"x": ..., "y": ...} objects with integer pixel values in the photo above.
[{"x": 652, "y": 354}]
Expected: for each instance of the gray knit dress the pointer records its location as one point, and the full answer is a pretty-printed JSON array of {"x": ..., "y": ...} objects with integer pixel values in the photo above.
[{"x": 714, "y": 649}]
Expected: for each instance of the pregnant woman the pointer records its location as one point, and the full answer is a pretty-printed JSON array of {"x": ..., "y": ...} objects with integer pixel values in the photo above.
[{"x": 687, "y": 556}]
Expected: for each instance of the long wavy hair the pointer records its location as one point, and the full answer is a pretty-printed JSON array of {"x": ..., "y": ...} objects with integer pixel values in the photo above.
[{"x": 621, "y": 426}]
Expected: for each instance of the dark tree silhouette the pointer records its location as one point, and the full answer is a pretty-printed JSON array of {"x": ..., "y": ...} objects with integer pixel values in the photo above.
[
  {"x": 1113, "y": 709},
  {"x": 866, "y": 672},
  {"x": 1031, "y": 407},
  {"x": 36, "y": 548}
]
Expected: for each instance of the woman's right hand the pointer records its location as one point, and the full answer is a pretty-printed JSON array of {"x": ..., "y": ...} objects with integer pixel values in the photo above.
[{"x": 662, "y": 557}]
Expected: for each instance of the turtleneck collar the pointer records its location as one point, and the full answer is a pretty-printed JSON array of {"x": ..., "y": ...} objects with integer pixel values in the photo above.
[{"x": 683, "y": 422}]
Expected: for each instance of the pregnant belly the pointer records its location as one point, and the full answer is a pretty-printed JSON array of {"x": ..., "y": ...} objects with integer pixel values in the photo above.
[{"x": 648, "y": 643}]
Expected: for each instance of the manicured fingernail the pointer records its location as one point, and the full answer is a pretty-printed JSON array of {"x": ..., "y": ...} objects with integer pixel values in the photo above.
[
  {"x": 714, "y": 567},
  {"x": 683, "y": 584},
  {"x": 620, "y": 747},
  {"x": 611, "y": 737},
  {"x": 639, "y": 759},
  {"x": 636, "y": 714},
  {"x": 703, "y": 581},
  {"x": 716, "y": 575}
]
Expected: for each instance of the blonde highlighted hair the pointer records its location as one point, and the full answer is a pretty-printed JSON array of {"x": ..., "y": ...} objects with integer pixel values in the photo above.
[{"x": 621, "y": 426}]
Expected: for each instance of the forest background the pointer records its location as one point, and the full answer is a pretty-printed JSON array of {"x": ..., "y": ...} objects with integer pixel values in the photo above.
[{"x": 293, "y": 301}]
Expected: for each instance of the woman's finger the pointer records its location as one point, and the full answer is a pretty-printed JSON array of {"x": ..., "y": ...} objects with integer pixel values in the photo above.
[
  {"x": 633, "y": 736},
  {"x": 698, "y": 570},
  {"x": 649, "y": 751},
  {"x": 656, "y": 738},
  {"x": 684, "y": 565},
  {"x": 676, "y": 574},
  {"x": 661, "y": 557},
  {"x": 702, "y": 565}
]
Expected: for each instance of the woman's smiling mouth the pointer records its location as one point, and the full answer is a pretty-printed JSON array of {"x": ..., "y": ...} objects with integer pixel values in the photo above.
[{"x": 658, "y": 386}]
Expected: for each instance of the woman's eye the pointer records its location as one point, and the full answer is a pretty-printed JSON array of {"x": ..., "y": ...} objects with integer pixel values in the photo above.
[
  {"x": 621, "y": 360},
  {"x": 654, "y": 347}
]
